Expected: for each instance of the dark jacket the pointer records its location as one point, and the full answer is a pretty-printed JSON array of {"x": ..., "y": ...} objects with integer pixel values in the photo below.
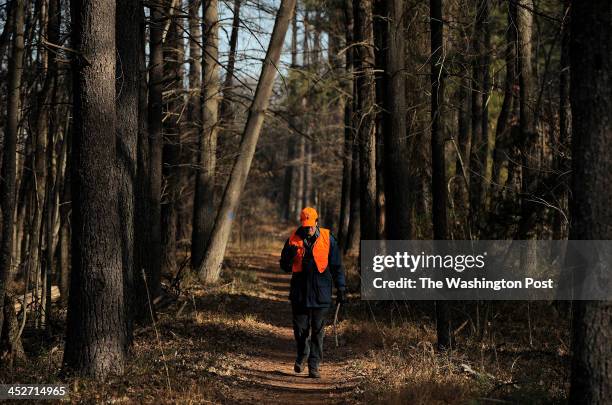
[{"x": 310, "y": 288}]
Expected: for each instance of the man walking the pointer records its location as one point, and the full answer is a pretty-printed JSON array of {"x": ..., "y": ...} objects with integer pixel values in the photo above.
[{"x": 311, "y": 254}]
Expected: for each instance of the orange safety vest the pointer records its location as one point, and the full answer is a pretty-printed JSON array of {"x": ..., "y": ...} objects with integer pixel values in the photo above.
[{"x": 320, "y": 251}]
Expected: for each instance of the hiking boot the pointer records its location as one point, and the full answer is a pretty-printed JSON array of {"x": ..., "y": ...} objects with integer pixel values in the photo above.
[
  {"x": 298, "y": 366},
  {"x": 313, "y": 372}
]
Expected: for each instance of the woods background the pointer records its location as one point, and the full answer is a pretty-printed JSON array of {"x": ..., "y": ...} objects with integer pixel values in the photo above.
[{"x": 134, "y": 151}]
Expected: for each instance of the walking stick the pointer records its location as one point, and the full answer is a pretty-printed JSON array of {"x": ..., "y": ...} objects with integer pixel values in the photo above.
[{"x": 336, "y": 322}]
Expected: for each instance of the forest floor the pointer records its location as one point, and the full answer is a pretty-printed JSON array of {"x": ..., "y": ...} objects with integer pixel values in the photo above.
[{"x": 233, "y": 343}]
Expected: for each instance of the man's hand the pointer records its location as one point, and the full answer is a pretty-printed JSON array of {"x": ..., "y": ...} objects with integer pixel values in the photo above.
[
  {"x": 341, "y": 297},
  {"x": 293, "y": 251},
  {"x": 287, "y": 256}
]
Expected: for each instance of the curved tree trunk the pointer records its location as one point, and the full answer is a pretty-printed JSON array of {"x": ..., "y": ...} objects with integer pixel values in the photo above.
[{"x": 211, "y": 265}]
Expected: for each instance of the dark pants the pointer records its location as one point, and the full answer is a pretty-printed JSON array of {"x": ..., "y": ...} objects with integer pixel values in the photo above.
[{"x": 308, "y": 329}]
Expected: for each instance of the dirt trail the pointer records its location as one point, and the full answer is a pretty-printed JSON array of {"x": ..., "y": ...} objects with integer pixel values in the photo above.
[{"x": 266, "y": 373}]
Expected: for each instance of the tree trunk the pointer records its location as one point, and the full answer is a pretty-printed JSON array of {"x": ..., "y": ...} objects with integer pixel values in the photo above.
[
  {"x": 226, "y": 113},
  {"x": 478, "y": 142},
  {"x": 299, "y": 195},
  {"x": 96, "y": 327},
  {"x": 382, "y": 122},
  {"x": 195, "y": 63},
  {"x": 128, "y": 92},
  {"x": 504, "y": 121},
  {"x": 354, "y": 230},
  {"x": 397, "y": 174},
  {"x": 307, "y": 195},
  {"x": 11, "y": 348},
  {"x": 528, "y": 135},
  {"x": 438, "y": 162},
  {"x": 211, "y": 265},
  {"x": 143, "y": 258},
  {"x": 155, "y": 112},
  {"x": 174, "y": 54},
  {"x": 590, "y": 89},
  {"x": 54, "y": 163},
  {"x": 561, "y": 159},
  {"x": 64, "y": 212},
  {"x": 349, "y": 135},
  {"x": 292, "y": 171},
  {"x": 204, "y": 204},
  {"x": 9, "y": 153},
  {"x": 365, "y": 114}
]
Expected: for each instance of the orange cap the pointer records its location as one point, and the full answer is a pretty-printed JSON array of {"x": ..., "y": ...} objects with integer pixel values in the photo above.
[{"x": 308, "y": 217}]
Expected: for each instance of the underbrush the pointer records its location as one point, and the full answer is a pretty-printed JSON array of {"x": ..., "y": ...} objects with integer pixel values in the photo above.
[
  {"x": 505, "y": 361},
  {"x": 504, "y": 352}
]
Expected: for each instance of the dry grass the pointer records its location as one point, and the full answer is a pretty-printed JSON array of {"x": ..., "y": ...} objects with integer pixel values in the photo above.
[
  {"x": 391, "y": 345},
  {"x": 399, "y": 359}
]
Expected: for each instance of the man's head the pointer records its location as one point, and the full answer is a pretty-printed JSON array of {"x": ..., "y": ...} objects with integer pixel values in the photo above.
[{"x": 309, "y": 219}]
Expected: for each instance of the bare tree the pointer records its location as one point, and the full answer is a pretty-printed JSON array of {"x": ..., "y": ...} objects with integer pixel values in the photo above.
[
  {"x": 438, "y": 161},
  {"x": 96, "y": 334},
  {"x": 590, "y": 89},
  {"x": 211, "y": 265},
  {"x": 128, "y": 92},
  {"x": 226, "y": 112},
  {"x": 154, "y": 115},
  {"x": 396, "y": 136},
  {"x": 204, "y": 204},
  {"x": 478, "y": 152},
  {"x": 9, "y": 152},
  {"x": 365, "y": 115},
  {"x": 173, "y": 104}
]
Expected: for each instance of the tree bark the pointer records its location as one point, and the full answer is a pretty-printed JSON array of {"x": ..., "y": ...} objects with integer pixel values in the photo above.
[
  {"x": 204, "y": 204},
  {"x": 54, "y": 163},
  {"x": 528, "y": 135},
  {"x": 211, "y": 265},
  {"x": 504, "y": 121},
  {"x": 438, "y": 160},
  {"x": 9, "y": 152},
  {"x": 174, "y": 54},
  {"x": 397, "y": 174},
  {"x": 349, "y": 135},
  {"x": 365, "y": 115},
  {"x": 128, "y": 101},
  {"x": 307, "y": 195},
  {"x": 155, "y": 112},
  {"x": 96, "y": 328},
  {"x": 561, "y": 158},
  {"x": 292, "y": 146},
  {"x": 142, "y": 232},
  {"x": 479, "y": 118},
  {"x": 354, "y": 230},
  {"x": 226, "y": 113},
  {"x": 299, "y": 195},
  {"x": 590, "y": 89}
]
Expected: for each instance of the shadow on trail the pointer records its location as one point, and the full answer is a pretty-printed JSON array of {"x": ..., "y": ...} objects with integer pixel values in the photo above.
[{"x": 252, "y": 333}]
